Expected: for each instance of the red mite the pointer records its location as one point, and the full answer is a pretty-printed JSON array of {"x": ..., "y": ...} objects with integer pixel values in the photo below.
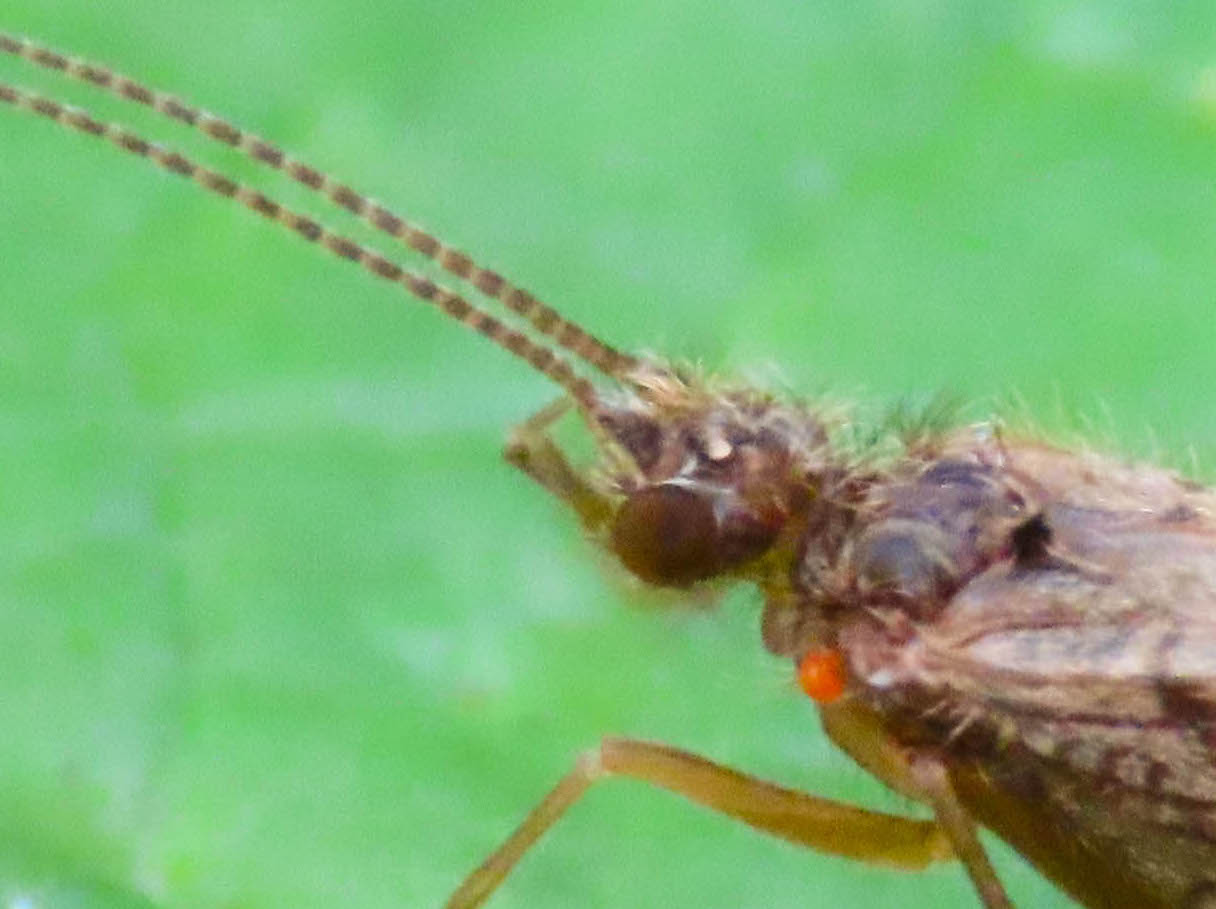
[
  {"x": 821, "y": 675},
  {"x": 1015, "y": 635}
]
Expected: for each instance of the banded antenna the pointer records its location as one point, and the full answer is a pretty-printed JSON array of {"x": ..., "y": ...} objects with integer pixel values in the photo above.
[{"x": 566, "y": 334}]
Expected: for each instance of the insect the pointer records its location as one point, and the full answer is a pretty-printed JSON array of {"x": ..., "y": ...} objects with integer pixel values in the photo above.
[{"x": 1019, "y": 530}]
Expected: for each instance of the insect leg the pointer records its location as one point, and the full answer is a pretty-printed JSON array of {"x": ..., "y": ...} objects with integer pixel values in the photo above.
[
  {"x": 921, "y": 776},
  {"x": 530, "y": 448},
  {"x": 958, "y": 825},
  {"x": 819, "y": 824}
]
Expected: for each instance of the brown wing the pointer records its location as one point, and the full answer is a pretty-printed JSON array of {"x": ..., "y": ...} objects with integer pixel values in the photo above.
[{"x": 1083, "y": 688}]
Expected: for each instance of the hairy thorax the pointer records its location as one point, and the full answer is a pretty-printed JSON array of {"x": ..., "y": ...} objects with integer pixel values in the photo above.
[{"x": 1038, "y": 616}]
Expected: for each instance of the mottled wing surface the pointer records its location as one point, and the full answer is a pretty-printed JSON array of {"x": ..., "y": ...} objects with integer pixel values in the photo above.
[{"x": 1082, "y": 687}]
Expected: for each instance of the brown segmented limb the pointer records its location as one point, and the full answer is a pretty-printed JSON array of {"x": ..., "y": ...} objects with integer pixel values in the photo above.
[
  {"x": 530, "y": 449},
  {"x": 806, "y": 820},
  {"x": 935, "y": 785},
  {"x": 921, "y": 776},
  {"x": 539, "y": 358},
  {"x": 542, "y": 317}
]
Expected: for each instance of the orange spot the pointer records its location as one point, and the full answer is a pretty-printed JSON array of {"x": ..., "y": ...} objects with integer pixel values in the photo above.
[{"x": 821, "y": 675}]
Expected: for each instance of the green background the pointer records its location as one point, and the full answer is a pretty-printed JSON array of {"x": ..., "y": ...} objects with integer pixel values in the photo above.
[{"x": 278, "y": 626}]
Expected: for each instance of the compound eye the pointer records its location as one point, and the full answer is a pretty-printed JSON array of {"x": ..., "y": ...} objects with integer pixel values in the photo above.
[{"x": 668, "y": 536}]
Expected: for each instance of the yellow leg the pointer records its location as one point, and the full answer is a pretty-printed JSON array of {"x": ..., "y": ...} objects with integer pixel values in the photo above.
[
  {"x": 918, "y": 775},
  {"x": 531, "y": 450},
  {"x": 934, "y": 781},
  {"x": 819, "y": 824}
]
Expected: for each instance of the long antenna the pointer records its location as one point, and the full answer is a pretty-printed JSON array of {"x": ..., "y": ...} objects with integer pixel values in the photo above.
[
  {"x": 539, "y": 357},
  {"x": 543, "y": 318}
]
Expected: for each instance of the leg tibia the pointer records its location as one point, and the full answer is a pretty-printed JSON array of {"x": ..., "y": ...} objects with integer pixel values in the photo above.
[
  {"x": 530, "y": 449},
  {"x": 819, "y": 824}
]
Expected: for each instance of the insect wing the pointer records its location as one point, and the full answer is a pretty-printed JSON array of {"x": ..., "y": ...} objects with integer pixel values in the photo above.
[{"x": 1081, "y": 699}]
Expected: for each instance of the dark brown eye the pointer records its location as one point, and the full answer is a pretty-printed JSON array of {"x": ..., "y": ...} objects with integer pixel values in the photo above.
[{"x": 668, "y": 536}]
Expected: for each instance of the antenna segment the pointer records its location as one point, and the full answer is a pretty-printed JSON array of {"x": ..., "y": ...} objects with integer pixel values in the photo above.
[
  {"x": 542, "y": 317},
  {"x": 541, "y": 358}
]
